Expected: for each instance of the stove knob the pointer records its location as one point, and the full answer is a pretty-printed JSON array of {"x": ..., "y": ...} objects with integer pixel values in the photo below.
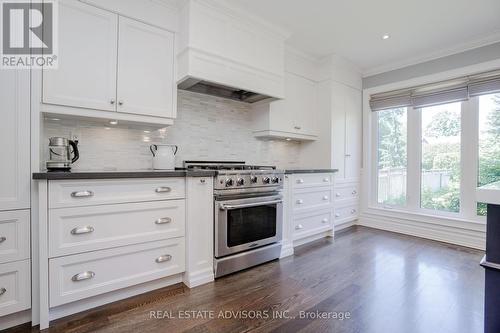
[
  {"x": 266, "y": 180},
  {"x": 240, "y": 182},
  {"x": 253, "y": 179},
  {"x": 275, "y": 180},
  {"x": 229, "y": 182}
]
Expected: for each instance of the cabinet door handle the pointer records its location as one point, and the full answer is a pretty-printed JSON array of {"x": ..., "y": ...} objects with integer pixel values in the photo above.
[
  {"x": 82, "y": 230},
  {"x": 2, "y": 291},
  {"x": 337, "y": 194},
  {"x": 353, "y": 211},
  {"x": 300, "y": 181},
  {"x": 120, "y": 102},
  {"x": 299, "y": 226},
  {"x": 337, "y": 214},
  {"x": 300, "y": 202},
  {"x": 325, "y": 197},
  {"x": 82, "y": 194},
  {"x": 163, "y": 189},
  {"x": 166, "y": 257},
  {"x": 347, "y": 155},
  {"x": 354, "y": 192},
  {"x": 203, "y": 181},
  {"x": 112, "y": 102},
  {"x": 3, "y": 239},
  {"x": 163, "y": 220},
  {"x": 326, "y": 180},
  {"x": 297, "y": 127},
  {"x": 83, "y": 276},
  {"x": 325, "y": 220}
]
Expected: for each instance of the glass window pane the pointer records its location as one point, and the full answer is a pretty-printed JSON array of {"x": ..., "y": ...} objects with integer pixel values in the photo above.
[
  {"x": 392, "y": 156},
  {"x": 489, "y": 142},
  {"x": 440, "y": 179}
]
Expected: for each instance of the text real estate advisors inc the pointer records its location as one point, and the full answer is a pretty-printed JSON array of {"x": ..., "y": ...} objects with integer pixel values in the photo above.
[{"x": 248, "y": 314}]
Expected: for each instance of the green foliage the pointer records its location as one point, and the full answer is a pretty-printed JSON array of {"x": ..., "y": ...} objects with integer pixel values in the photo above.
[
  {"x": 444, "y": 123},
  {"x": 392, "y": 138},
  {"x": 447, "y": 198}
]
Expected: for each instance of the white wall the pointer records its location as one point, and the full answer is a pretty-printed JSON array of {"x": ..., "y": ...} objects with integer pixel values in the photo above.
[{"x": 206, "y": 128}]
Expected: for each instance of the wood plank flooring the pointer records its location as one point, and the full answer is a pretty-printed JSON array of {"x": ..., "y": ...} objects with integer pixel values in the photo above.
[{"x": 386, "y": 282}]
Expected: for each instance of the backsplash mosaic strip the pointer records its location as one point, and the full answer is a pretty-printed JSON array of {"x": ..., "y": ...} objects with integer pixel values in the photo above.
[{"x": 206, "y": 128}]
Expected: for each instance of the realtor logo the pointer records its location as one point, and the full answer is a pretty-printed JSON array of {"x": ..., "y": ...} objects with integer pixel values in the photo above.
[{"x": 29, "y": 37}]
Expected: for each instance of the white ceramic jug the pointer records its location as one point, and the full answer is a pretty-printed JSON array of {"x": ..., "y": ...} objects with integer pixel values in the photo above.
[{"x": 163, "y": 156}]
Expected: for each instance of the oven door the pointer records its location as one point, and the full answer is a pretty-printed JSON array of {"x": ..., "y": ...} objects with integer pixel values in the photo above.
[{"x": 248, "y": 223}]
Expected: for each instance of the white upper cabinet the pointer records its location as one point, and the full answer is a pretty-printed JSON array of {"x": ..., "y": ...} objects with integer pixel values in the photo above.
[
  {"x": 15, "y": 177},
  {"x": 110, "y": 63},
  {"x": 295, "y": 116},
  {"x": 145, "y": 64},
  {"x": 86, "y": 76}
]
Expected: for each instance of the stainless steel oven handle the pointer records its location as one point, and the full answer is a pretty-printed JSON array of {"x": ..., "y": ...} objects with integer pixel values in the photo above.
[{"x": 253, "y": 204}]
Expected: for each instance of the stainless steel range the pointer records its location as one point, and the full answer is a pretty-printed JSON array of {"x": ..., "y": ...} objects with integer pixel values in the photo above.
[{"x": 248, "y": 214}]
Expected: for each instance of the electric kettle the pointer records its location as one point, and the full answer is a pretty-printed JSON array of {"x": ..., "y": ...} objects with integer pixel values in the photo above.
[
  {"x": 62, "y": 153},
  {"x": 163, "y": 156}
]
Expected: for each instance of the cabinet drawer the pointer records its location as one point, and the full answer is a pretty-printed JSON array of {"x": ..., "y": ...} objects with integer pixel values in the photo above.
[
  {"x": 307, "y": 225},
  {"x": 312, "y": 198},
  {"x": 85, "y": 275},
  {"x": 82, "y": 229},
  {"x": 346, "y": 192},
  {"x": 15, "y": 287},
  {"x": 86, "y": 193},
  {"x": 14, "y": 235},
  {"x": 312, "y": 179},
  {"x": 346, "y": 212}
]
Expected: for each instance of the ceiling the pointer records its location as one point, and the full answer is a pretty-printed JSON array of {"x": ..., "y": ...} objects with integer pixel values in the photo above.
[{"x": 419, "y": 30}]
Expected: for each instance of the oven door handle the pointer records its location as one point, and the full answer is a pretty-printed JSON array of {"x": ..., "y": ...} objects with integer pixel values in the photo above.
[{"x": 253, "y": 204}]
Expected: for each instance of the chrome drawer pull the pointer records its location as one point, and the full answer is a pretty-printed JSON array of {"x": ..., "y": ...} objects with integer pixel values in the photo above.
[
  {"x": 300, "y": 202},
  {"x": 163, "y": 189},
  {"x": 83, "y": 276},
  {"x": 300, "y": 181},
  {"x": 353, "y": 211},
  {"x": 203, "y": 180},
  {"x": 82, "y": 194},
  {"x": 325, "y": 197},
  {"x": 354, "y": 192},
  {"x": 299, "y": 226},
  {"x": 3, "y": 239},
  {"x": 326, "y": 180},
  {"x": 337, "y": 214},
  {"x": 254, "y": 204},
  {"x": 163, "y": 220},
  {"x": 2, "y": 291},
  {"x": 325, "y": 220},
  {"x": 337, "y": 194},
  {"x": 166, "y": 257},
  {"x": 82, "y": 230}
]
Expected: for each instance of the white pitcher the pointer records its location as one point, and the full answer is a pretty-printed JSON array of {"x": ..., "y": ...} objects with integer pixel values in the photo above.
[{"x": 163, "y": 156}]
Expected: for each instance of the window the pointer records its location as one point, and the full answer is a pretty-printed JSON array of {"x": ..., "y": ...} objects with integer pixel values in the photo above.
[
  {"x": 440, "y": 172},
  {"x": 392, "y": 156},
  {"x": 489, "y": 143}
]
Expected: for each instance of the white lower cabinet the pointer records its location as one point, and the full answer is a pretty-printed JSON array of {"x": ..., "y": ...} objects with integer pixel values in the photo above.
[
  {"x": 309, "y": 207},
  {"x": 346, "y": 202},
  {"x": 15, "y": 287},
  {"x": 79, "y": 229},
  {"x": 14, "y": 235},
  {"x": 80, "y": 276}
]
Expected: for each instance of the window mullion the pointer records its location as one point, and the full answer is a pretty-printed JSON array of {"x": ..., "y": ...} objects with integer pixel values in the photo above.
[
  {"x": 469, "y": 157},
  {"x": 414, "y": 157}
]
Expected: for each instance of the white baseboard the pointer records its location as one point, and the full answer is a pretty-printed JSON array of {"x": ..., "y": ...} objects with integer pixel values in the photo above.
[
  {"x": 15, "y": 319},
  {"x": 198, "y": 278},
  {"x": 411, "y": 226},
  {"x": 305, "y": 240},
  {"x": 286, "y": 250},
  {"x": 345, "y": 225}
]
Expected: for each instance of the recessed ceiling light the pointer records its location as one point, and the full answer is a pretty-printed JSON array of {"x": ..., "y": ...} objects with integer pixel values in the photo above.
[
  {"x": 107, "y": 128},
  {"x": 288, "y": 139},
  {"x": 113, "y": 122},
  {"x": 386, "y": 36},
  {"x": 55, "y": 119},
  {"x": 147, "y": 131}
]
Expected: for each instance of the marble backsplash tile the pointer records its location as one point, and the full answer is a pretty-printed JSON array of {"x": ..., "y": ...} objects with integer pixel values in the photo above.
[{"x": 206, "y": 128}]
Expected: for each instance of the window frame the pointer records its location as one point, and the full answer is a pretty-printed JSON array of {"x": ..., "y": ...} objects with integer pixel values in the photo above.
[{"x": 469, "y": 151}]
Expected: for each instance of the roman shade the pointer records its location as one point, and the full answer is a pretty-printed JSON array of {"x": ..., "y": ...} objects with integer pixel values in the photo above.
[{"x": 456, "y": 90}]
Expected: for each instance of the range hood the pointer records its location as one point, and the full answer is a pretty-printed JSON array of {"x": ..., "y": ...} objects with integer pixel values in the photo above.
[{"x": 219, "y": 90}]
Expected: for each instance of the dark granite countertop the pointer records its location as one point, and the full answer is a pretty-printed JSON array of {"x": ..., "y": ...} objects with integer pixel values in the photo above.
[
  {"x": 291, "y": 171},
  {"x": 54, "y": 175}
]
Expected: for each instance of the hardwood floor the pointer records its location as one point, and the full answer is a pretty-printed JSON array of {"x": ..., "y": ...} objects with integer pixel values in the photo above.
[{"x": 387, "y": 283}]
